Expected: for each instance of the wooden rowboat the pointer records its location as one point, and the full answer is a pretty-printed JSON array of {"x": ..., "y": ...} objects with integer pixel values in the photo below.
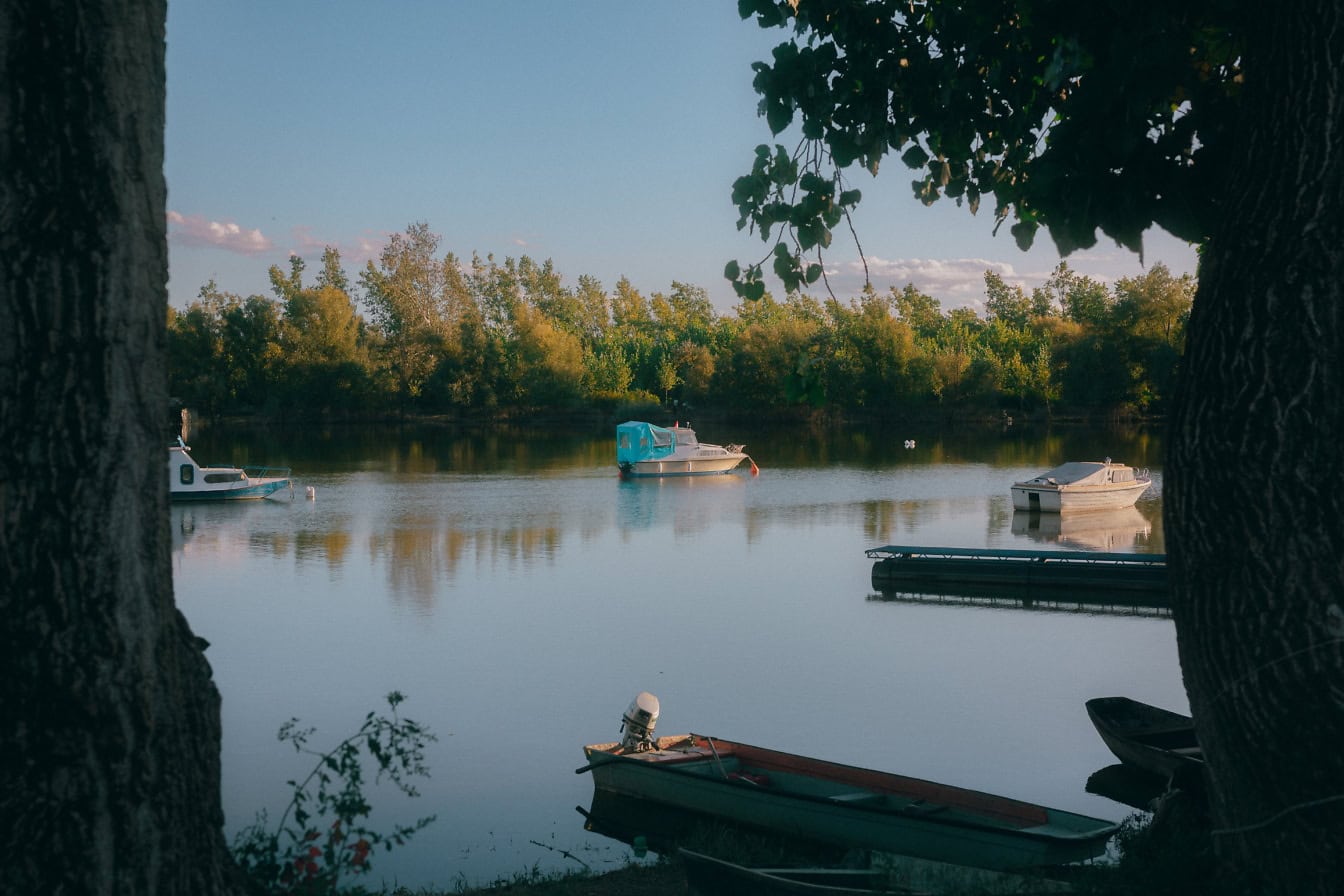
[
  {"x": 1150, "y": 738},
  {"x": 852, "y": 807},
  {"x": 708, "y": 876}
]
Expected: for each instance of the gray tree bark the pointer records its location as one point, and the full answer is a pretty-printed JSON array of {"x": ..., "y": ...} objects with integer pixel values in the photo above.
[
  {"x": 110, "y": 719},
  {"x": 1254, "y": 502}
]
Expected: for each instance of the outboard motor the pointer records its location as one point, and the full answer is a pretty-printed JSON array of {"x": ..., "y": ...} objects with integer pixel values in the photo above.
[{"x": 638, "y": 722}]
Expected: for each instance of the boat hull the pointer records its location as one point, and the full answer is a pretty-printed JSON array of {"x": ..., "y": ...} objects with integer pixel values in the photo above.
[
  {"x": 1061, "y": 499},
  {"x": 1149, "y": 738},
  {"x": 681, "y": 466},
  {"x": 252, "y": 491},
  {"x": 855, "y": 808}
]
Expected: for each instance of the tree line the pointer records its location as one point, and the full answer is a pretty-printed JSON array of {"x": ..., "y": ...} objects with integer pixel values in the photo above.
[{"x": 422, "y": 332}]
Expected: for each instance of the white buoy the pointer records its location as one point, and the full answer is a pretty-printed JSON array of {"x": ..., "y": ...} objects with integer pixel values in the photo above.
[{"x": 310, "y": 493}]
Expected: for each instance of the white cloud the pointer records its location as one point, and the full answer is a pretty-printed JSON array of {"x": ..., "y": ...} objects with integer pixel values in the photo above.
[
  {"x": 195, "y": 230},
  {"x": 955, "y": 282}
]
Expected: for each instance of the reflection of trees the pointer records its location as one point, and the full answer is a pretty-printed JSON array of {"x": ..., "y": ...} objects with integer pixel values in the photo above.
[
  {"x": 422, "y": 555},
  {"x": 330, "y": 545},
  {"x": 882, "y": 519},
  {"x": 409, "y": 555}
]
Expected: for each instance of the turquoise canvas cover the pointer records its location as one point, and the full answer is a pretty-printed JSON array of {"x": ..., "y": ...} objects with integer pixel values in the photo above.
[{"x": 637, "y": 441}]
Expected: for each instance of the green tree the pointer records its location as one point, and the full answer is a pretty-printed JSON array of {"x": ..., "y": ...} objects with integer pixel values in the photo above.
[
  {"x": 250, "y": 335},
  {"x": 548, "y": 361},
  {"x": 323, "y": 350},
  {"x": 870, "y": 354},
  {"x": 922, "y": 312},
  {"x": 406, "y": 298},
  {"x": 1007, "y": 304},
  {"x": 224, "y": 351},
  {"x": 777, "y": 350},
  {"x": 197, "y": 372},
  {"x": 1081, "y": 299},
  {"x": 1219, "y": 123},
  {"x": 594, "y": 313},
  {"x": 633, "y": 326}
]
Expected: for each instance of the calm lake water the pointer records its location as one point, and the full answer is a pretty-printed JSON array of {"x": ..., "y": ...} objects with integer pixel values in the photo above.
[{"x": 520, "y": 595}]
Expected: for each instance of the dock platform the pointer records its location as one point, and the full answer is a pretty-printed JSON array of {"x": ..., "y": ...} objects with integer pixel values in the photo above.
[{"x": 945, "y": 569}]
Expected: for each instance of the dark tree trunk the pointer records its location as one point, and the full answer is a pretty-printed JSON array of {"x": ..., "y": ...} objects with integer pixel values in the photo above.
[
  {"x": 1255, "y": 483},
  {"x": 110, "y": 719}
]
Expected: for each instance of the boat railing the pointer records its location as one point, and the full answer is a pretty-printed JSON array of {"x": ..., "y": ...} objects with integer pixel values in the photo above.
[{"x": 266, "y": 472}]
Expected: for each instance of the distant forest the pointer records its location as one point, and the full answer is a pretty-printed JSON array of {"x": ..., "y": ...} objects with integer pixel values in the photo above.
[{"x": 421, "y": 333}]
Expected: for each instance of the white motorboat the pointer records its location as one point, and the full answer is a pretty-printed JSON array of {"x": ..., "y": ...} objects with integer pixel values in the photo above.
[
  {"x": 643, "y": 449},
  {"x": 189, "y": 481},
  {"x": 1081, "y": 485}
]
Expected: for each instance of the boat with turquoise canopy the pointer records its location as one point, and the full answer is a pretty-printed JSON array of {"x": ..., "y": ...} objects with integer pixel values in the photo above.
[{"x": 643, "y": 449}]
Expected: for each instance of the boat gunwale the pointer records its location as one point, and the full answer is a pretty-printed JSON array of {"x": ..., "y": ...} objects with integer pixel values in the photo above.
[{"x": 1138, "y": 745}]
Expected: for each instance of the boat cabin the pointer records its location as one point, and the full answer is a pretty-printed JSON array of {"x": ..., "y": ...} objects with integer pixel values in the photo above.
[{"x": 637, "y": 441}]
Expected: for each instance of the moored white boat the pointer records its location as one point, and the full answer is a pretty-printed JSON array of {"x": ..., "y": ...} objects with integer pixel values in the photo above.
[
  {"x": 1081, "y": 485},
  {"x": 189, "y": 481},
  {"x": 643, "y": 449}
]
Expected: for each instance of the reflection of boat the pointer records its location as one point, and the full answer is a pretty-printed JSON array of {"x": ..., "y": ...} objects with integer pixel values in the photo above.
[
  {"x": 1128, "y": 785},
  {"x": 1103, "y": 530},
  {"x": 643, "y": 449},
  {"x": 708, "y": 876},
  {"x": 630, "y": 819},
  {"x": 189, "y": 481},
  {"x": 1081, "y": 485},
  {"x": 825, "y": 801},
  {"x": 1155, "y": 740}
]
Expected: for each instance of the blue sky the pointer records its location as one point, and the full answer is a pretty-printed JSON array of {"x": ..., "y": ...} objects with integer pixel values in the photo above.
[{"x": 603, "y": 136}]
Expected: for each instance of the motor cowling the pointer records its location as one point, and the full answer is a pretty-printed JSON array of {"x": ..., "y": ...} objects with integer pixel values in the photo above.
[{"x": 638, "y": 723}]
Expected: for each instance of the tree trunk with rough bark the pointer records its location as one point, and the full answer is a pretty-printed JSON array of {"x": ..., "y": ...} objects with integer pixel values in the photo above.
[
  {"x": 110, "y": 718},
  {"x": 1254, "y": 502}
]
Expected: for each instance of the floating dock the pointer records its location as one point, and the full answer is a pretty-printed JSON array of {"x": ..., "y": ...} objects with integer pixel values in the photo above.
[{"x": 947, "y": 570}]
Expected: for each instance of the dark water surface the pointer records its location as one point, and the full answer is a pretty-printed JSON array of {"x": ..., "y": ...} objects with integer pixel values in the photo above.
[{"x": 520, "y": 595}]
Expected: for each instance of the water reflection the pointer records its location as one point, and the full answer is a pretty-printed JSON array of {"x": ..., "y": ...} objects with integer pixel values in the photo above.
[
  {"x": 1024, "y": 597},
  {"x": 1121, "y": 531},
  {"x": 661, "y": 828},
  {"x": 686, "y": 504},
  {"x": 509, "y": 576}
]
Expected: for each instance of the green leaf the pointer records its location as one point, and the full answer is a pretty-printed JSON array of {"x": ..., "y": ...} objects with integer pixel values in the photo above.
[
  {"x": 751, "y": 290},
  {"x": 915, "y": 156},
  {"x": 732, "y": 270},
  {"x": 1024, "y": 233},
  {"x": 814, "y": 183}
]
